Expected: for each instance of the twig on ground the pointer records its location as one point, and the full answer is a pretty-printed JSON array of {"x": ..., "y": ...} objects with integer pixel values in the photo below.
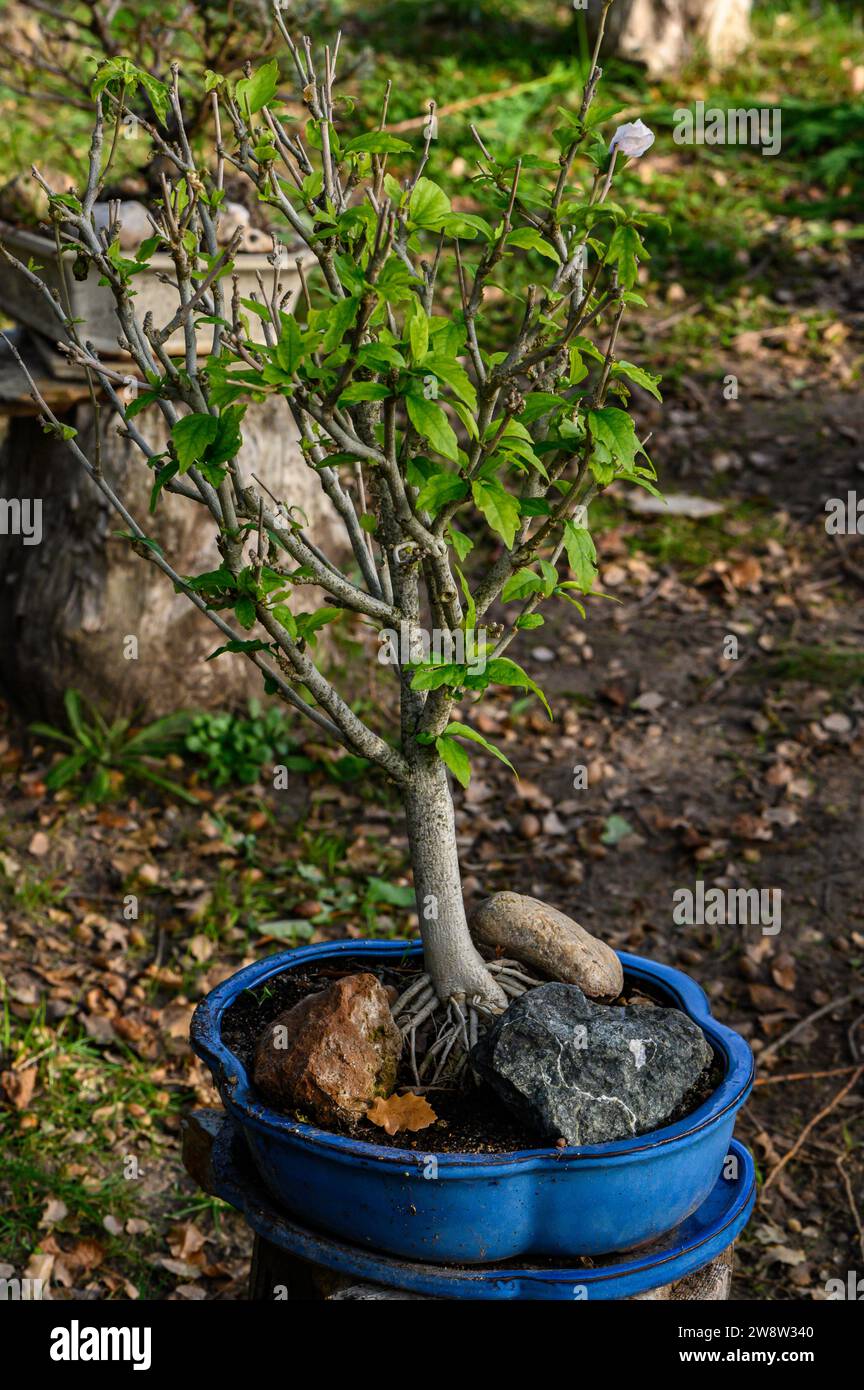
[
  {"x": 853, "y": 1205},
  {"x": 809, "y": 1127},
  {"x": 802, "y": 1076},
  {"x": 829, "y": 1008}
]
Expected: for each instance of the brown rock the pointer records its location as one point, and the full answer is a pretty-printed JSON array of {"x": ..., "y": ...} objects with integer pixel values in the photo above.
[
  {"x": 539, "y": 935},
  {"x": 330, "y": 1055}
]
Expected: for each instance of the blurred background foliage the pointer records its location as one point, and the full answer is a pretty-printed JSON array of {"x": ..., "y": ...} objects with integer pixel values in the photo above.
[{"x": 736, "y": 216}]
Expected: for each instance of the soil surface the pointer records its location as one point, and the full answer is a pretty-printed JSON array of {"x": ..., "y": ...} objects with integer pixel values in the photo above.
[{"x": 470, "y": 1120}]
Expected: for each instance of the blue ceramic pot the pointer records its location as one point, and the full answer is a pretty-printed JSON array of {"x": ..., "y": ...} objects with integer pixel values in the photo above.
[{"x": 468, "y": 1208}]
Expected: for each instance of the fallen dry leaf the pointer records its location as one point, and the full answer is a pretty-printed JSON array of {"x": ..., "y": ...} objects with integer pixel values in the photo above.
[
  {"x": 784, "y": 1254},
  {"x": 40, "y": 844},
  {"x": 401, "y": 1112},
  {"x": 53, "y": 1211},
  {"x": 85, "y": 1254},
  {"x": 18, "y": 1086},
  {"x": 747, "y": 574},
  {"x": 185, "y": 1239}
]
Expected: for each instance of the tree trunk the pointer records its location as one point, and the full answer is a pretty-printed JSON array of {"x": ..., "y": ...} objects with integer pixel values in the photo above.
[
  {"x": 69, "y": 605},
  {"x": 662, "y": 34},
  {"x": 456, "y": 968}
]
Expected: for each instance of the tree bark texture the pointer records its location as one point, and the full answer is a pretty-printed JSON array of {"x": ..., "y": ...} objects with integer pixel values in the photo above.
[
  {"x": 662, "y": 34},
  {"x": 450, "y": 957},
  {"x": 69, "y": 604}
]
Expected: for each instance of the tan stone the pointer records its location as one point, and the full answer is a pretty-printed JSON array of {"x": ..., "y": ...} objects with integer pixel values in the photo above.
[
  {"x": 330, "y": 1055},
  {"x": 540, "y": 936}
]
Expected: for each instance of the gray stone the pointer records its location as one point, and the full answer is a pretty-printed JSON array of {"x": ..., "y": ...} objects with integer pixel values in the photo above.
[
  {"x": 539, "y": 935},
  {"x": 590, "y": 1073}
]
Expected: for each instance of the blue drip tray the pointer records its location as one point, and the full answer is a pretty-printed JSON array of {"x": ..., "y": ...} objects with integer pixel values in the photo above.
[{"x": 691, "y": 1246}]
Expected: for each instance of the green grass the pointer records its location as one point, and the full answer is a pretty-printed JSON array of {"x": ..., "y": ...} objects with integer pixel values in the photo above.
[
  {"x": 31, "y": 892},
  {"x": 90, "y": 1113},
  {"x": 832, "y": 667},
  {"x": 687, "y": 545}
]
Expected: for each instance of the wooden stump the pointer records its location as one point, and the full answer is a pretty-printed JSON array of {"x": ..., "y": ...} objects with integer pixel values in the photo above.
[
  {"x": 276, "y": 1277},
  {"x": 69, "y": 604},
  {"x": 662, "y": 34}
]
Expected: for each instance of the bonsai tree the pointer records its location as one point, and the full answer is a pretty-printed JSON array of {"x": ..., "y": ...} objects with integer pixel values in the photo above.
[{"x": 421, "y": 418}]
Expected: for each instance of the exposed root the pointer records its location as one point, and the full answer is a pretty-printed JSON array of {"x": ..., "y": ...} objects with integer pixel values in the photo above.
[{"x": 449, "y": 1029}]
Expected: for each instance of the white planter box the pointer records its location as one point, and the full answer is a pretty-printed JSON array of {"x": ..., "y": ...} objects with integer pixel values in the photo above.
[{"x": 94, "y": 303}]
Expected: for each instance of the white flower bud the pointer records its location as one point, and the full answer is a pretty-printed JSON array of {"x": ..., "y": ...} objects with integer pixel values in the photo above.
[{"x": 632, "y": 139}]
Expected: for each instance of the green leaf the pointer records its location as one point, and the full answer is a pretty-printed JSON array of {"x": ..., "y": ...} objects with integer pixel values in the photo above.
[
  {"x": 291, "y": 929},
  {"x": 282, "y": 613},
  {"x": 191, "y": 437},
  {"x": 158, "y": 94},
  {"x": 396, "y": 284},
  {"x": 336, "y": 321},
  {"x": 418, "y": 333},
  {"x": 625, "y": 248},
  {"x": 439, "y": 489},
  {"x": 236, "y": 645},
  {"x": 502, "y": 671},
  {"x": 530, "y": 620},
  {"x": 244, "y": 611},
  {"x": 377, "y": 142},
  {"x": 469, "y": 622},
  {"x": 464, "y": 731},
  {"x": 259, "y": 89},
  {"x": 310, "y": 623},
  {"x": 550, "y": 575},
  {"x": 288, "y": 352},
  {"x": 462, "y": 544},
  {"x": 467, "y": 419},
  {"x": 562, "y": 591},
  {"x": 150, "y": 543},
  {"x": 379, "y": 357},
  {"x": 433, "y": 677},
  {"x": 614, "y": 431},
  {"x": 581, "y": 554},
  {"x": 469, "y": 225},
  {"x": 578, "y": 369},
  {"x": 163, "y": 476},
  {"x": 646, "y": 380},
  {"x": 364, "y": 391},
  {"x": 455, "y": 376},
  {"x": 430, "y": 421},
  {"x": 141, "y": 402},
  {"x": 529, "y": 239},
  {"x": 539, "y": 403},
  {"x": 615, "y": 830},
  {"x": 500, "y": 509},
  {"x": 429, "y": 205},
  {"x": 397, "y": 894},
  {"x": 228, "y": 440},
  {"x": 521, "y": 584},
  {"x": 213, "y": 582},
  {"x": 454, "y": 755}
]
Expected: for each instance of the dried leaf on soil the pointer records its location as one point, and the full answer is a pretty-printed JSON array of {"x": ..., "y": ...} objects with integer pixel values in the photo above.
[{"x": 401, "y": 1112}]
